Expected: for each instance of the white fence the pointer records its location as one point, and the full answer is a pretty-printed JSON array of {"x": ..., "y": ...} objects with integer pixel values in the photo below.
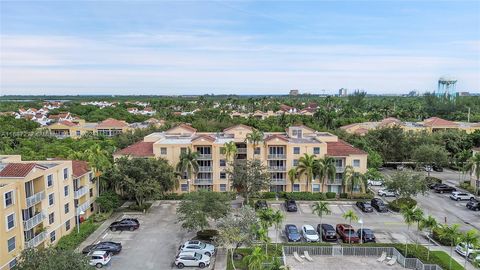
[{"x": 410, "y": 263}]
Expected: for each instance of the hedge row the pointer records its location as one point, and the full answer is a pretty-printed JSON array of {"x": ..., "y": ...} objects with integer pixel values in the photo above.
[
  {"x": 317, "y": 196},
  {"x": 397, "y": 204},
  {"x": 71, "y": 241},
  {"x": 176, "y": 196}
]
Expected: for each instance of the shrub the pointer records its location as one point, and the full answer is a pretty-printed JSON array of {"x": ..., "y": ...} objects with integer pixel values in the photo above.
[
  {"x": 306, "y": 196},
  {"x": 468, "y": 187},
  {"x": 432, "y": 180},
  {"x": 343, "y": 195},
  {"x": 331, "y": 195},
  {"x": 100, "y": 217},
  {"x": 71, "y": 241},
  {"x": 268, "y": 195},
  {"x": 436, "y": 236},
  {"x": 361, "y": 196},
  {"x": 207, "y": 235},
  {"x": 398, "y": 204},
  {"x": 170, "y": 196},
  {"x": 140, "y": 208},
  {"x": 108, "y": 201}
]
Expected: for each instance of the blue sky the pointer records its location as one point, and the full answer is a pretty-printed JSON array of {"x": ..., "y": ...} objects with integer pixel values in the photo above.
[{"x": 240, "y": 47}]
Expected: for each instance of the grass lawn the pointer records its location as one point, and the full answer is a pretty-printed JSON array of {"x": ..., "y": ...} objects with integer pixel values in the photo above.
[
  {"x": 445, "y": 259},
  {"x": 241, "y": 264}
]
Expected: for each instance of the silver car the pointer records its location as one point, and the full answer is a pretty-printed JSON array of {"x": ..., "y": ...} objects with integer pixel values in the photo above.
[
  {"x": 198, "y": 246},
  {"x": 191, "y": 258}
]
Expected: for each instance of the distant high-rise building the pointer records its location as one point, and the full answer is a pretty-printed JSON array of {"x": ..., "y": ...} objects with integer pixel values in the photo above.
[
  {"x": 342, "y": 92},
  {"x": 413, "y": 93},
  {"x": 446, "y": 87},
  {"x": 463, "y": 94},
  {"x": 294, "y": 92}
]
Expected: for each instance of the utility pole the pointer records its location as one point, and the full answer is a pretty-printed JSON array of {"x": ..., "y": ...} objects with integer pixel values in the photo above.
[{"x": 468, "y": 116}]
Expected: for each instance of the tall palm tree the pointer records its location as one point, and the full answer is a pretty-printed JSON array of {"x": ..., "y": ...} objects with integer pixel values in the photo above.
[
  {"x": 262, "y": 235},
  {"x": 469, "y": 238},
  {"x": 256, "y": 259},
  {"x": 418, "y": 217},
  {"x": 410, "y": 216},
  {"x": 452, "y": 233},
  {"x": 325, "y": 168},
  {"x": 230, "y": 152},
  {"x": 321, "y": 208},
  {"x": 254, "y": 137},
  {"x": 473, "y": 167},
  {"x": 306, "y": 165},
  {"x": 350, "y": 216},
  {"x": 429, "y": 223},
  {"x": 352, "y": 179},
  {"x": 292, "y": 176},
  {"x": 188, "y": 163},
  {"x": 99, "y": 160},
  {"x": 277, "y": 219},
  {"x": 266, "y": 217}
]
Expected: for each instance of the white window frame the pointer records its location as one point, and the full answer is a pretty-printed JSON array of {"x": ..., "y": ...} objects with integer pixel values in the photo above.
[
  {"x": 66, "y": 207},
  {"x": 52, "y": 180},
  {"x": 220, "y": 176},
  {"x": 54, "y": 236},
  {"x": 53, "y": 215},
  {"x": 15, "y": 244},
  {"x": 14, "y": 221},
  {"x": 68, "y": 191},
  {"x": 225, "y": 189},
  {"x": 69, "y": 225},
  {"x": 65, "y": 171},
  {"x": 5, "y": 199},
  {"x": 48, "y": 198},
  {"x": 10, "y": 263},
  {"x": 296, "y": 185},
  {"x": 184, "y": 185},
  {"x": 353, "y": 163},
  {"x": 319, "y": 187},
  {"x": 319, "y": 150},
  {"x": 294, "y": 148},
  {"x": 161, "y": 151}
]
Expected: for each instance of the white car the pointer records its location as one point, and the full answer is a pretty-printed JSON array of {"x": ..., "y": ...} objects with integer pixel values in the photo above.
[
  {"x": 99, "y": 258},
  {"x": 191, "y": 258},
  {"x": 465, "y": 251},
  {"x": 386, "y": 193},
  {"x": 376, "y": 183},
  {"x": 309, "y": 233},
  {"x": 459, "y": 196},
  {"x": 198, "y": 246}
]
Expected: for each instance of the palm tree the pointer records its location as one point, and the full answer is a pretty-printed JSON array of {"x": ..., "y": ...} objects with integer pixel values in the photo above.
[
  {"x": 292, "y": 176},
  {"x": 321, "y": 208},
  {"x": 262, "y": 234},
  {"x": 277, "y": 219},
  {"x": 473, "y": 167},
  {"x": 99, "y": 160},
  {"x": 230, "y": 152},
  {"x": 256, "y": 259},
  {"x": 350, "y": 216},
  {"x": 451, "y": 233},
  {"x": 469, "y": 238},
  {"x": 306, "y": 165},
  {"x": 325, "y": 168},
  {"x": 418, "y": 217},
  {"x": 254, "y": 137},
  {"x": 410, "y": 216},
  {"x": 429, "y": 223},
  {"x": 352, "y": 179},
  {"x": 188, "y": 163}
]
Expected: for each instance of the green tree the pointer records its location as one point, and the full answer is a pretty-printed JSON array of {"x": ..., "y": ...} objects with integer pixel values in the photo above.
[
  {"x": 469, "y": 238},
  {"x": 473, "y": 167},
  {"x": 325, "y": 168},
  {"x": 277, "y": 220},
  {"x": 230, "y": 152},
  {"x": 429, "y": 155},
  {"x": 321, "y": 208},
  {"x": 429, "y": 223},
  {"x": 51, "y": 258},
  {"x": 452, "y": 233},
  {"x": 407, "y": 183},
  {"x": 107, "y": 201},
  {"x": 352, "y": 179},
  {"x": 350, "y": 216},
  {"x": 262, "y": 235},
  {"x": 256, "y": 259},
  {"x": 198, "y": 208},
  {"x": 255, "y": 137},
  {"x": 249, "y": 177},
  {"x": 306, "y": 166},
  {"x": 188, "y": 164},
  {"x": 292, "y": 176},
  {"x": 410, "y": 216},
  {"x": 374, "y": 159}
]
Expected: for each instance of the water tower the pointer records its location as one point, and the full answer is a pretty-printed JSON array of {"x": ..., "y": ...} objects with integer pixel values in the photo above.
[{"x": 447, "y": 87}]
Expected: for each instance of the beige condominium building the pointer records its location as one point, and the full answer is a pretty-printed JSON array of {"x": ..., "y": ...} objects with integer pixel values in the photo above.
[
  {"x": 40, "y": 203},
  {"x": 474, "y": 182},
  {"x": 279, "y": 152}
]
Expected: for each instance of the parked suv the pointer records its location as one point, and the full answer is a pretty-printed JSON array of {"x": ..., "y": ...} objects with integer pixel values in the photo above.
[
  {"x": 466, "y": 251},
  {"x": 444, "y": 189},
  {"x": 347, "y": 233},
  {"x": 473, "y": 205},
  {"x": 192, "y": 258},
  {"x": 99, "y": 258},
  {"x": 198, "y": 246},
  {"x": 292, "y": 233},
  {"x": 327, "y": 232},
  {"x": 125, "y": 224},
  {"x": 459, "y": 196},
  {"x": 365, "y": 206},
  {"x": 291, "y": 205},
  {"x": 366, "y": 235},
  {"x": 379, "y": 205},
  {"x": 386, "y": 193}
]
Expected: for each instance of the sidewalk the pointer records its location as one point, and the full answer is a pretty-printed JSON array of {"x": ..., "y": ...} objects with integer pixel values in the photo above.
[{"x": 221, "y": 259}]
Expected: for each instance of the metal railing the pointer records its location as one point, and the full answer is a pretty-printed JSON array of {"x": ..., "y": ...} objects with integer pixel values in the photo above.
[
  {"x": 340, "y": 169},
  {"x": 278, "y": 181},
  {"x": 84, "y": 206},
  {"x": 35, "y": 241},
  {"x": 277, "y": 156},
  {"x": 277, "y": 168},
  {"x": 204, "y": 156},
  {"x": 35, "y": 198},
  {"x": 335, "y": 182},
  {"x": 241, "y": 150},
  {"x": 203, "y": 182},
  {"x": 34, "y": 221},
  {"x": 205, "y": 168},
  {"x": 80, "y": 192}
]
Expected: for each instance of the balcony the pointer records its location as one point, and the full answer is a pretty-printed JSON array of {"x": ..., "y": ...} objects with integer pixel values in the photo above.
[
  {"x": 340, "y": 169},
  {"x": 35, "y": 198},
  {"x": 277, "y": 156},
  {"x": 335, "y": 182},
  {"x": 205, "y": 169},
  {"x": 278, "y": 181},
  {"x": 204, "y": 156},
  {"x": 33, "y": 221},
  {"x": 241, "y": 150},
  {"x": 35, "y": 241},
  {"x": 80, "y": 192},
  {"x": 84, "y": 206},
  {"x": 277, "y": 168},
  {"x": 203, "y": 182}
]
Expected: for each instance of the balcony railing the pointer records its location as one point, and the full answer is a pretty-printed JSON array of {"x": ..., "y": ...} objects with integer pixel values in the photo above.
[
  {"x": 204, "y": 156},
  {"x": 35, "y": 198},
  {"x": 80, "y": 192},
  {"x": 278, "y": 182},
  {"x": 35, "y": 241},
  {"x": 34, "y": 221},
  {"x": 277, "y": 168},
  {"x": 340, "y": 169},
  {"x": 203, "y": 182},
  {"x": 277, "y": 156},
  {"x": 241, "y": 150},
  {"x": 84, "y": 206},
  {"x": 335, "y": 182},
  {"x": 205, "y": 168}
]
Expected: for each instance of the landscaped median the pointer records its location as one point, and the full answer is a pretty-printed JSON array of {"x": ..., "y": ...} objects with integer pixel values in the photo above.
[{"x": 74, "y": 239}]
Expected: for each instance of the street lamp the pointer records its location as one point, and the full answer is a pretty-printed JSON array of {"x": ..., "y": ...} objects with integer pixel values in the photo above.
[
  {"x": 78, "y": 220},
  {"x": 360, "y": 221}
]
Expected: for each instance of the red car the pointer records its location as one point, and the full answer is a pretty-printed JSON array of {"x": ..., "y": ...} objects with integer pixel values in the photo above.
[{"x": 347, "y": 233}]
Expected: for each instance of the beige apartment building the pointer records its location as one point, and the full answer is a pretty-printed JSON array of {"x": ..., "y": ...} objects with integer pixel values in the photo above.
[
  {"x": 41, "y": 201},
  {"x": 279, "y": 152}
]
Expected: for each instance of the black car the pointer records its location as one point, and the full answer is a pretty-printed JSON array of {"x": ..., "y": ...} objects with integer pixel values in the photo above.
[
  {"x": 379, "y": 205},
  {"x": 261, "y": 204},
  {"x": 327, "y": 232},
  {"x": 473, "y": 205},
  {"x": 292, "y": 233},
  {"x": 434, "y": 185},
  {"x": 129, "y": 224},
  {"x": 365, "y": 207},
  {"x": 111, "y": 247},
  {"x": 437, "y": 168},
  {"x": 366, "y": 235},
  {"x": 291, "y": 206},
  {"x": 444, "y": 189}
]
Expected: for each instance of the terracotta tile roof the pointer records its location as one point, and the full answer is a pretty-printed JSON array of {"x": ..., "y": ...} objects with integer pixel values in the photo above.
[
  {"x": 286, "y": 108},
  {"x": 184, "y": 126},
  {"x": 19, "y": 169},
  {"x": 79, "y": 168},
  {"x": 389, "y": 120},
  {"x": 139, "y": 149},
  {"x": 276, "y": 136},
  {"x": 239, "y": 125},
  {"x": 342, "y": 149},
  {"x": 438, "y": 122},
  {"x": 110, "y": 122},
  {"x": 361, "y": 131},
  {"x": 206, "y": 137},
  {"x": 67, "y": 123}
]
